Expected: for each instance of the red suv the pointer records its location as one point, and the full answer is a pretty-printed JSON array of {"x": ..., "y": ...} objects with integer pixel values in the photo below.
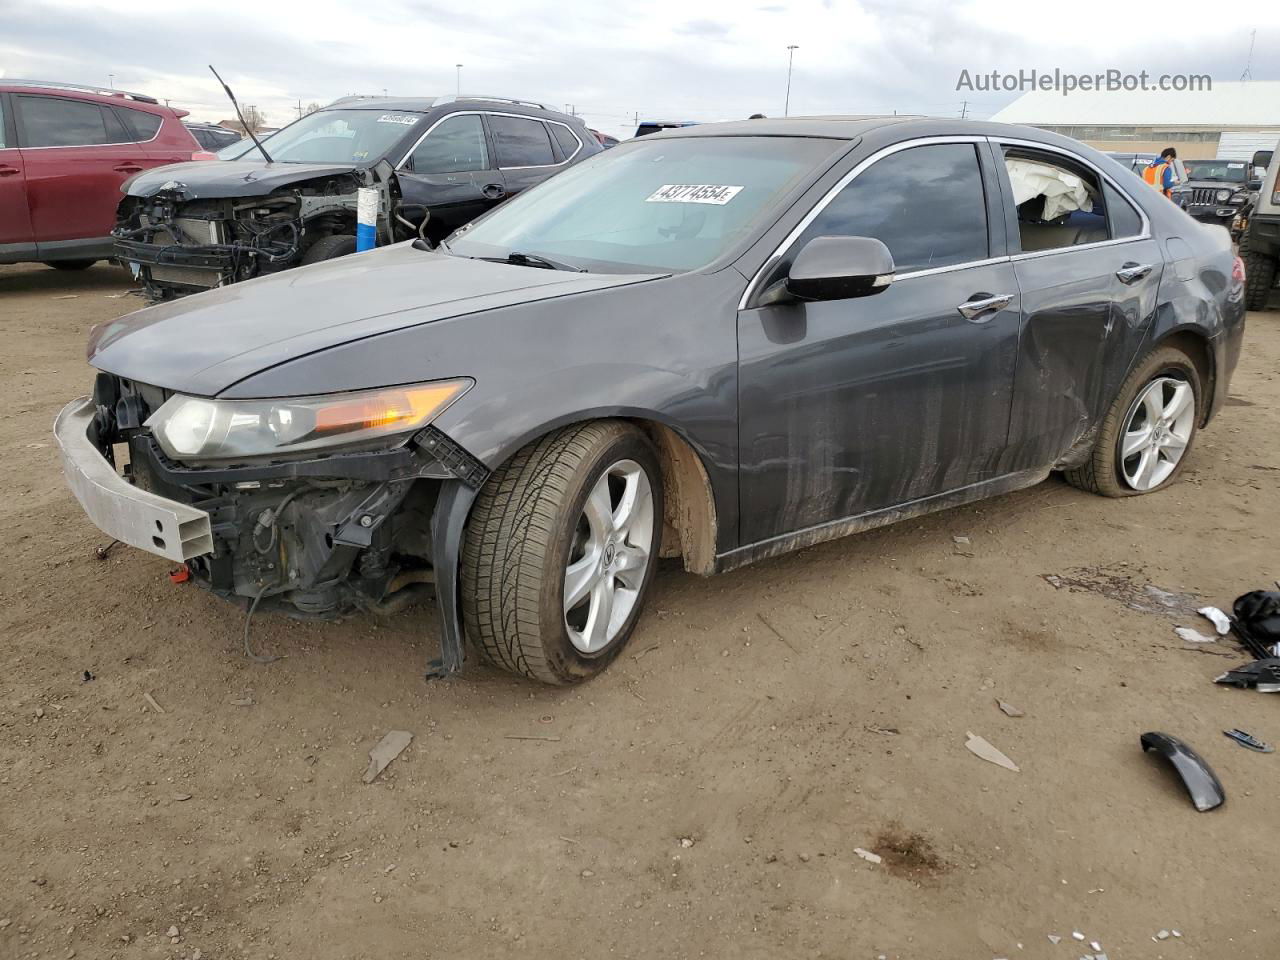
[{"x": 64, "y": 152}]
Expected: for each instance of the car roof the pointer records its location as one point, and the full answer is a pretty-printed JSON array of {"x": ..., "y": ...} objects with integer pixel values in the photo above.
[
  {"x": 79, "y": 91},
  {"x": 422, "y": 104}
]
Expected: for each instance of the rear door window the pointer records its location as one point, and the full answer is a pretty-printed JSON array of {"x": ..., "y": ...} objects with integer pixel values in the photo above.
[
  {"x": 60, "y": 122},
  {"x": 1059, "y": 202},
  {"x": 457, "y": 145},
  {"x": 926, "y": 204},
  {"x": 521, "y": 142}
]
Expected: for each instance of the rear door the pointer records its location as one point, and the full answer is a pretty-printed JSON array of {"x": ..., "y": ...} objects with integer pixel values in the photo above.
[
  {"x": 15, "y": 220},
  {"x": 77, "y": 154},
  {"x": 451, "y": 171},
  {"x": 1088, "y": 271}
]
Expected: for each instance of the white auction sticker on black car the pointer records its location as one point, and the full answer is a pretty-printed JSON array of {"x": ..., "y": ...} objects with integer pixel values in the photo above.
[
  {"x": 718, "y": 194},
  {"x": 408, "y": 119}
]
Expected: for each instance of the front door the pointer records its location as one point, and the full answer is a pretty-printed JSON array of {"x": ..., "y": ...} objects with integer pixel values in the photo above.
[
  {"x": 853, "y": 406},
  {"x": 452, "y": 173},
  {"x": 15, "y": 221}
]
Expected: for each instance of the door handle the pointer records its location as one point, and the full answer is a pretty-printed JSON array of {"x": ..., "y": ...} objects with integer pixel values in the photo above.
[
  {"x": 1133, "y": 272},
  {"x": 9, "y": 171},
  {"x": 127, "y": 168},
  {"x": 494, "y": 191},
  {"x": 981, "y": 306}
]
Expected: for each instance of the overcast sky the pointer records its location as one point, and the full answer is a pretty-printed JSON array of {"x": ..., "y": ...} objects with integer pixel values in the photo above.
[{"x": 707, "y": 60}]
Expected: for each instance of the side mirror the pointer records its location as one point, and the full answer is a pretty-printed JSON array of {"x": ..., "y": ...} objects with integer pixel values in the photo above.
[
  {"x": 1254, "y": 184},
  {"x": 839, "y": 268}
]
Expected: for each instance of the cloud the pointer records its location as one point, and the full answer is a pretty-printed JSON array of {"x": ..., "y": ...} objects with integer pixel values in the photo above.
[{"x": 611, "y": 61}]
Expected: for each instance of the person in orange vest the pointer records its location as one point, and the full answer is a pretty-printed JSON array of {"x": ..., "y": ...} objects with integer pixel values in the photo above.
[{"x": 1159, "y": 173}]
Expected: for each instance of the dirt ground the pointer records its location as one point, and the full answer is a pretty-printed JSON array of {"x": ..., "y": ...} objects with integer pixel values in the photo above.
[{"x": 705, "y": 796}]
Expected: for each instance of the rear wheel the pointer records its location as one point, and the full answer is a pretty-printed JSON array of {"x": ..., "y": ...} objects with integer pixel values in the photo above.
[
  {"x": 70, "y": 264},
  {"x": 1259, "y": 275},
  {"x": 1144, "y": 439},
  {"x": 326, "y": 248},
  {"x": 559, "y": 552}
]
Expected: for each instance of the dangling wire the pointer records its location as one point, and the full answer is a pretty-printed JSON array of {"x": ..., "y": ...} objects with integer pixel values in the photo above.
[{"x": 248, "y": 648}]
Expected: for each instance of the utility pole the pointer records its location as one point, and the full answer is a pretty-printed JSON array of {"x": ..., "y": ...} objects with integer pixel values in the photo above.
[
  {"x": 1248, "y": 64},
  {"x": 111, "y": 80},
  {"x": 791, "y": 54},
  {"x": 458, "y": 91},
  {"x": 964, "y": 109},
  {"x": 299, "y": 109}
]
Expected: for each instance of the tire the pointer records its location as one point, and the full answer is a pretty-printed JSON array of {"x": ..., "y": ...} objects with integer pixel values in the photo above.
[
  {"x": 70, "y": 264},
  {"x": 1259, "y": 275},
  {"x": 327, "y": 248},
  {"x": 1105, "y": 472},
  {"x": 530, "y": 522}
]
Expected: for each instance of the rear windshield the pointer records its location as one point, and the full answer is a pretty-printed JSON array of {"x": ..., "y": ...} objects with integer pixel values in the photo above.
[
  {"x": 334, "y": 136},
  {"x": 650, "y": 204}
]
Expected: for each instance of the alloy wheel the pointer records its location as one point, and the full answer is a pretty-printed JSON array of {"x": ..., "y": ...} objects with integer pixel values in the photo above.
[
  {"x": 1157, "y": 431},
  {"x": 609, "y": 556}
]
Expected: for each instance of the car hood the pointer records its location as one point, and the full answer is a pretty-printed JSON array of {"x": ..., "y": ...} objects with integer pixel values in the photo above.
[
  {"x": 1234, "y": 187},
  {"x": 202, "y": 344},
  {"x": 211, "y": 179}
]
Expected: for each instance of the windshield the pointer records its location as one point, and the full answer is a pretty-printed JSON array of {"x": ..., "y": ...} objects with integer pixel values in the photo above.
[
  {"x": 1220, "y": 171},
  {"x": 648, "y": 204},
  {"x": 331, "y": 136}
]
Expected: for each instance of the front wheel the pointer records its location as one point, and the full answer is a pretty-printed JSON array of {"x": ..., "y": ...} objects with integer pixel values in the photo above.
[
  {"x": 328, "y": 248},
  {"x": 560, "y": 549},
  {"x": 1143, "y": 441}
]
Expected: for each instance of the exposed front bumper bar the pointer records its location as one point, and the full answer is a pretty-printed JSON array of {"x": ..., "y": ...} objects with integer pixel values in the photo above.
[{"x": 122, "y": 511}]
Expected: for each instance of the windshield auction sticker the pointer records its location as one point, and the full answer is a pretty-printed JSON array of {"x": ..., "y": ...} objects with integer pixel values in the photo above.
[
  {"x": 406, "y": 118},
  {"x": 717, "y": 194}
]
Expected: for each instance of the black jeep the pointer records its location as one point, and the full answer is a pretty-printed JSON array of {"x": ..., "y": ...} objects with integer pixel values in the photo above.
[
  {"x": 437, "y": 164},
  {"x": 1216, "y": 190}
]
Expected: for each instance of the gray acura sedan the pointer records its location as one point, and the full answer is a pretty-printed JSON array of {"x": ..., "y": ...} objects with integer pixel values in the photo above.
[{"x": 718, "y": 343}]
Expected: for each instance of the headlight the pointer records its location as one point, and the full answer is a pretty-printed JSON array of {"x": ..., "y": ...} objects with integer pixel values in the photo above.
[
  {"x": 1223, "y": 195},
  {"x": 191, "y": 428}
]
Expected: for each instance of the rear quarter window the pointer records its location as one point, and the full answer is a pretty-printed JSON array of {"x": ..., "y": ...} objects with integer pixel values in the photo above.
[
  {"x": 521, "y": 142},
  {"x": 564, "y": 136},
  {"x": 144, "y": 125}
]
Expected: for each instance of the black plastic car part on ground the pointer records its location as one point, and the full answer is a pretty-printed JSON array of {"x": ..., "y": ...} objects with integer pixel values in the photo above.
[
  {"x": 437, "y": 164},
  {"x": 719, "y": 343},
  {"x": 1203, "y": 786}
]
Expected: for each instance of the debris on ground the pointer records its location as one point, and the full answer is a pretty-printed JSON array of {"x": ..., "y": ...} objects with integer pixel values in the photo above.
[
  {"x": 982, "y": 748},
  {"x": 182, "y": 797},
  {"x": 686, "y": 842},
  {"x": 1221, "y": 622},
  {"x": 151, "y": 702},
  {"x": 1054, "y": 939},
  {"x": 867, "y": 855},
  {"x": 86, "y": 677},
  {"x": 1249, "y": 740},
  {"x": 1077, "y": 935},
  {"x": 243, "y": 702},
  {"x": 1162, "y": 935},
  {"x": 1009, "y": 710},
  {"x": 388, "y": 748},
  {"x": 1202, "y": 784},
  {"x": 1262, "y": 675},
  {"x": 1191, "y": 635}
]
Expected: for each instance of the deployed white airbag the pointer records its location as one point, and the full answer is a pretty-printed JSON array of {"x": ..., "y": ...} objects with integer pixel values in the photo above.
[{"x": 1063, "y": 192}]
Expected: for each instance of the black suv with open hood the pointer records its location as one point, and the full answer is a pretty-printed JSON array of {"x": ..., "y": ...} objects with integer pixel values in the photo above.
[{"x": 437, "y": 163}]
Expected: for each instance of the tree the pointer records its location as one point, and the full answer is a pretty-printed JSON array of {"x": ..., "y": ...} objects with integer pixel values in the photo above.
[{"x": 312, "y": 107}]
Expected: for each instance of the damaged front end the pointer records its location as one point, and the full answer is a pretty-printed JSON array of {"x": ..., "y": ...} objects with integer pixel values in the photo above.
[
  {"x": 319, "y": 533},
  {"x": 180, "y": 238}
]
